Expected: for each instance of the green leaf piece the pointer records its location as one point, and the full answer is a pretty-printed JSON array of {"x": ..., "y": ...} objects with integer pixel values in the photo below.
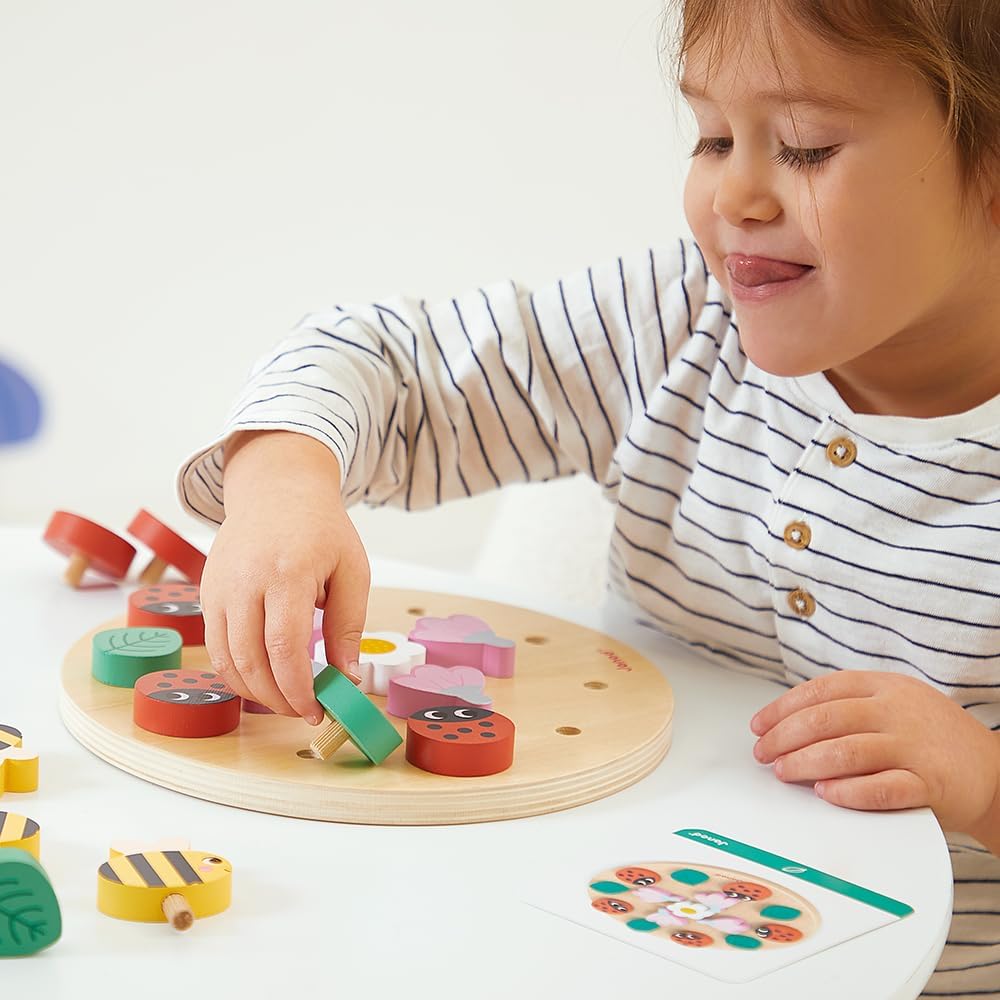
[
  {"x": 29, "y": 911},
  {"x": 120, "y": 656}
]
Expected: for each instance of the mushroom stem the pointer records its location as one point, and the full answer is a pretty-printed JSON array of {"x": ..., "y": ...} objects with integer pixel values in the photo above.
[
  {"x": 78, "y": 564},
  {"x": 153, "y": 573}
]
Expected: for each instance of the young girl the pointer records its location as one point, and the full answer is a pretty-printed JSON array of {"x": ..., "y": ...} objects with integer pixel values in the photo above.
[{"x": 797, "y": 417}]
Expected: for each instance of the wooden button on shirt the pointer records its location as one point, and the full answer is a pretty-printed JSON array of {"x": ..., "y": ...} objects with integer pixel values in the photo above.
[
  {"x": 798, "y": 535},
  {"x": 842, "y": 451},
  {"x": 802, "y": 603}
]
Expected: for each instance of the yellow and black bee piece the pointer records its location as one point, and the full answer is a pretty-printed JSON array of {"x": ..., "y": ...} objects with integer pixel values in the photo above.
[
  {"x": 164, "y": 886},
  {"x": 18, "y": 767}
]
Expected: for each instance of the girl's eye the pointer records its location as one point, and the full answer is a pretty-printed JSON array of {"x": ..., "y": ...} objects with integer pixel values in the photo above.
[{"x": 796, "y": 158}]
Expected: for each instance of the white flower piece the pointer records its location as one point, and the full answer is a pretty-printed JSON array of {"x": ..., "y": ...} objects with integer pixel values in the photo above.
[{"x": 385, "y": 655}]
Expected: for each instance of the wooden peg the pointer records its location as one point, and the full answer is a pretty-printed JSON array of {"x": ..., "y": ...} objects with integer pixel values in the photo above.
[
  {"x": 87, "y": 545},
  {"x": 352, "y": 716},
  {"x": 169, "y": 550},
  {"x": 171, "y": 887},
  {"x": 178, "y": 913}
]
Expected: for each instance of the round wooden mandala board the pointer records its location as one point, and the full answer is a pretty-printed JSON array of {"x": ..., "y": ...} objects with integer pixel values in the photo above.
[{"x": 592, "y": 715}]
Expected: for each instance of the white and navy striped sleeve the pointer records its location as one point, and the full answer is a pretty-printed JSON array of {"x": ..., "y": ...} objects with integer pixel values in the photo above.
[{"x": 425, "y": 403}]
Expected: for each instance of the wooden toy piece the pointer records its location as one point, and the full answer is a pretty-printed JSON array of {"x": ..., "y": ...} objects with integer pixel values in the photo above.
[
  {"x": 384, "y": 655},
  {"x": 465, "y": 640},
  {"x": 169, "y": 605},
  {"x": 353, "y": 717},
  {"x": 30, "y": 919},
  {"x": 168, "y": 548},
  {"x": 120, "y": 848},
  {"x": 192, "y": 704},
  {"x": 164, "y": 886},
  {"x": 460, "y": 742},
  {"x": 88, "y": 545},
  {"x": 18, "y": 768},
  {"x": 431, "y": 686},
  {"x": 120, "y": 656},
  {"x": 20, "y": 832}
]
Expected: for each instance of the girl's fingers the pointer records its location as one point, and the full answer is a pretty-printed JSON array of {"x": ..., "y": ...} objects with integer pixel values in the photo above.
[
  {"x": 344, "y": 614},
  {"x": 849, "y": 756},
  {"x": 217, "y": 647},
  {"x": 288, "y": 624},
  {"x": 830, "y": 720},
  {"x": 894, "y": 789},
  {"x": 245, "y": 628},
  {"x": 829, "y": 687}
]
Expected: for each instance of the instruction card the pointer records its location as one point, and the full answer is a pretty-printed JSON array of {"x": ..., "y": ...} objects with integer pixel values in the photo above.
[{"x": 725, "y": 908}]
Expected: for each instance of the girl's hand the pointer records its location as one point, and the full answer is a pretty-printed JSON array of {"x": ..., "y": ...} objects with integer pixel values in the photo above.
[
  {"x": 871, "y": 740},
  {"x": 286, "y": 547}
]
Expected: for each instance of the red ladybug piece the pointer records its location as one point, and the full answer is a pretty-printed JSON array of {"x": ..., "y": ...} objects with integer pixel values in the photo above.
[
  {"x": 186, "y": 703},
  {"x": 168, "y": 548},
  {"x": 169, "y": 605},
  {"x": 781, "y": 933},
  {"x": 88, "y": 545},
  {"x": 460, "y": 741},
  {"x": 692, "y": 939}
]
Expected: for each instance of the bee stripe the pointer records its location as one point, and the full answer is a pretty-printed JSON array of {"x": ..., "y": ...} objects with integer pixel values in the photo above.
[
  {"x": 14, "y": 827},
  {"x": 146, "y": 871},
  {"x": 9, "y": 737},
  {"x": 106, "y": 871},
  {"x": 182, "y": 867},
  {"x": 123, "y": 868}
]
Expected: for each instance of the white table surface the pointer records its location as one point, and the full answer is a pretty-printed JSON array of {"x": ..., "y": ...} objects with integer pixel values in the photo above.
[{"x": 366, "y": 911}]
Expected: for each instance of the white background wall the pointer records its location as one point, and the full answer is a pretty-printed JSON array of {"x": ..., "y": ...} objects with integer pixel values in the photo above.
[{"x": 182, "y": 181}]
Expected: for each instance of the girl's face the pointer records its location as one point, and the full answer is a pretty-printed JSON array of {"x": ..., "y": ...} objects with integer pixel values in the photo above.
[{"x": 895, "y": 262}]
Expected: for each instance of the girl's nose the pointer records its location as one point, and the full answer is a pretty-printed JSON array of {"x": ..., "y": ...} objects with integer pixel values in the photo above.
[{"x": 745, "y": 192}]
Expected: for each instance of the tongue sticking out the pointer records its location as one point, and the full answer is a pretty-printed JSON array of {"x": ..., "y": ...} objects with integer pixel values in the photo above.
[{"x": 753, "y": 271}]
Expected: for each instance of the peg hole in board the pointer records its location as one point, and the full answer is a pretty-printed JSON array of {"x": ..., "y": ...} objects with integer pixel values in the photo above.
[
  {"x": 595, "y": 685},
  {"x": 416, "y": 612},
  {"x": 306, "y": 754},
  {"x": 568, "y": 731},
  {"x": 536, "y": 640}
]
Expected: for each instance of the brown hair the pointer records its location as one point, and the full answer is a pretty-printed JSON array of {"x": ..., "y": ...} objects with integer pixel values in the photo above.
[{"x": 954, "y": 45}]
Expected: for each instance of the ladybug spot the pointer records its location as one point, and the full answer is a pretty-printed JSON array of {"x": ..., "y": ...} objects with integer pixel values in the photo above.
[{"x": 451, "y": 736}]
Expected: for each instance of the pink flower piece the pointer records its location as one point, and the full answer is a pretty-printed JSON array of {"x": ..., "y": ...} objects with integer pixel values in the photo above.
[
  {"x": 433, "y": 686},
  {"x": 665, "y": 918},
  {"x": 718, "y": 901},
  {"x": 651, "y": 894},
  {"x": 465, "y": 640}
]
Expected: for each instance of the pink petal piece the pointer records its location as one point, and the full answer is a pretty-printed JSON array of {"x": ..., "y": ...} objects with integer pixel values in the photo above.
[
  {"x": 465, "y": 639},
  {"x": 434, "y": 686},
  {"x": 728, "y": 925},
  {"x": 667, "y": 919},
  {"x": 717, "y": 900}
]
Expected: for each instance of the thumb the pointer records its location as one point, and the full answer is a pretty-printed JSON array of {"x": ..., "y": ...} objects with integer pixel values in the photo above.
[{"x": 344, "y": 617}]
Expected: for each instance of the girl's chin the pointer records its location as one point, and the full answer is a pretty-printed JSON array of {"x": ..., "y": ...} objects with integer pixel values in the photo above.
[{"x": 775, "y": 359}]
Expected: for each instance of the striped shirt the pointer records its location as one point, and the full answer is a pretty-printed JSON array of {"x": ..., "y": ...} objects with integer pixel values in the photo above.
[{"x": 757, "y": 517}]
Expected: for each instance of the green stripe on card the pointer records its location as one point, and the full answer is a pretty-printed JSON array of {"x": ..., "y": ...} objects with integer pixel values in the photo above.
[{"x": 798, "y": 870}]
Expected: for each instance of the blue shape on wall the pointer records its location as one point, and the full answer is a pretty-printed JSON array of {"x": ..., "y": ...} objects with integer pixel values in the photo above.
[{"x": 20, "y": 407}]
